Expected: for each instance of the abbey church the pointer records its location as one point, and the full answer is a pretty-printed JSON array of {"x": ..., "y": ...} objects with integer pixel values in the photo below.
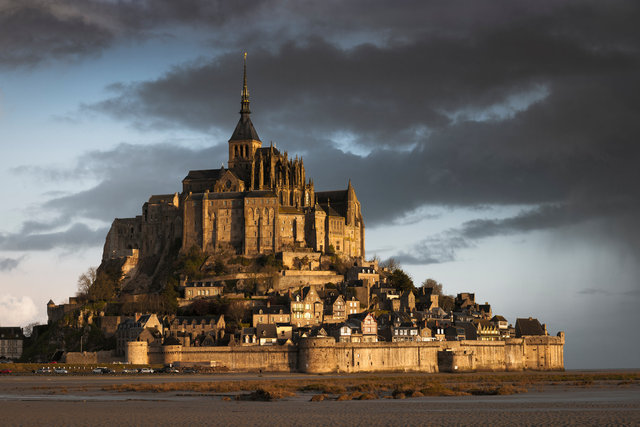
[{"x": 261, "y": 203}]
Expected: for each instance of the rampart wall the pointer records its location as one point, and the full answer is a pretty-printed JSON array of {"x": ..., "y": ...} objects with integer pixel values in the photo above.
[{"x": 324, "y": 355}]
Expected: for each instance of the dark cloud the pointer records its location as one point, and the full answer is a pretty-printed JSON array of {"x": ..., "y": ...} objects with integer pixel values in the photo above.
[
  {"x": 613, "y": 220},
  {"x": 466, "y": 105},
  {"x": 75, "y": 237},
  {"x": 8, "y": 264}
]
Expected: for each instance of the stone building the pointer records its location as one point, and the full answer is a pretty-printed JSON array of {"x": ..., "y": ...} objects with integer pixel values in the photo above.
[
  {"x": 11, "y": 340},
  {"x": 262, "y": 202}
]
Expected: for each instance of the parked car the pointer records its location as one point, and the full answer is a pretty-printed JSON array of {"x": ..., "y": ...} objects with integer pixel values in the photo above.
[
  {"x": 60, "y": 371},
  {"x": 129, "y": 371},
  {"x": 43, "y": 370},
  {"x": 146, "y": 371},
  {"x": 169, "y": 370},
  {"x": 5, "y": 371},
  {"x": 102, "y": 370}
]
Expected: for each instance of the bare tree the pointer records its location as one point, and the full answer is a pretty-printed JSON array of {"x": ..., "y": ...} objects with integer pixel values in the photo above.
[
  {"x": 430, "y": 283},
  {"x": 85, "y": 281}
]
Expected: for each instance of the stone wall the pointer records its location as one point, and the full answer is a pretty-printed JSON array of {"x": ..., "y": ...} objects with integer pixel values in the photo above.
[
  {"x": 91, "y": 357},
  {"x": 289, "y": 279},
  {"x": 254, "y": 358},
  {"x": 324, "y": 355}
]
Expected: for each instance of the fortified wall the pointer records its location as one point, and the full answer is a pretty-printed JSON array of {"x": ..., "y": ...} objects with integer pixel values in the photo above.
[{"x": 323, "y": 355}]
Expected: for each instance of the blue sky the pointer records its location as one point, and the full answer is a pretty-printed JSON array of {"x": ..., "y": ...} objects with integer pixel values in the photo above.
[{"x": 493, "y": 148}]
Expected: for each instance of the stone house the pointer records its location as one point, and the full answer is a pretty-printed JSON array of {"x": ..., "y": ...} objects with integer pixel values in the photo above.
[
  {"x": 11, "y": 342},
  {"x": 248, "y": 336},
  {"x": 368, "y": 325},
  {"x": 307, "y": 308},
  {"x": 455, "y": 333},
  {"x": 335, "y": 309},
  {"x": 367, "y": 275},
  {"x": 131, "y": 329},
  {"x": 407, "y": 302},
  {"x": 347, "y": 332},
  {"x": 500, "y": 322},
  {"x": 487, "y": 330},
  {"x": 187, "y": 328},
  {"x": 202, "y": 289},
  {"x": 267, "y": 334},
  {"x": 270, "y": 315}
]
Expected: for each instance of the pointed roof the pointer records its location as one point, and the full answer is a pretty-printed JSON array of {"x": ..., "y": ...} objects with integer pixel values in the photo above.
[{"x": 244, "y": 129}]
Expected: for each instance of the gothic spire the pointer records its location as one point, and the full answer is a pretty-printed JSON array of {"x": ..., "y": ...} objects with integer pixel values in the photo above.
[
  {"x": 245, "y": 90},
  {"x": 244, "y": 129}
]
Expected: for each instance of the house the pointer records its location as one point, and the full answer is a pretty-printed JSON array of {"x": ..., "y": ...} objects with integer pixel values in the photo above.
[
  {"x": 270, "y": 314},
  {"x": 454, "y": 333},
  {"x": 407, "y": 302},
  {"x": 187, "y": 328},
  {"x": 426, "y": 299},
  {"x": 529, "y": 327},
  {"x": 284, "y": 332},
  {"x": 347, "y": 332},
  {"x": 486, "y": 330},
  {"x": 131, "y": 329},
  {"x": 248, "y": 336},
  {"x": 367, "y": 324},
  {"x": 465, "y": 300},
  {"x": 267, "y": 334},
  {"x": 203, "y": 289},
  {"x": 500, "y": 322},
  {"x": 352, "y": 306},
  {"x": 367, "y": 274},
  {"x": 11, "y": 342},
  {"x": 307, "y": 308},
  {"x": 335, "y": 309},
  {"x": 485, "y": 310}
]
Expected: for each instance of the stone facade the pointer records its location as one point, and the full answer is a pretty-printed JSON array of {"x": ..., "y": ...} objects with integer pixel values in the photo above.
[
  {"x": 323, "y": 355},
  {"x": 261, "y": 203}
]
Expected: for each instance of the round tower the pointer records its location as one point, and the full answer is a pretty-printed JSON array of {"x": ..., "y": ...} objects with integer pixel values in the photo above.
[{"x": 316, "y": 355}]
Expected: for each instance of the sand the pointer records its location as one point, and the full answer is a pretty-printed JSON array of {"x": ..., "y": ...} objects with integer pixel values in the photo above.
[{"x": 31, "y": 401}]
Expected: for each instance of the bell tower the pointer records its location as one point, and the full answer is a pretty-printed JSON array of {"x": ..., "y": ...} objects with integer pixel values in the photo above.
[{"x": 245, "y": 141}]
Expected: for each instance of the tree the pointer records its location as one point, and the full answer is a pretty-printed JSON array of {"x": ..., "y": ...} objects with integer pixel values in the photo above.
[
  {"x": 85, "y": 281},
  {"x": 235, "y": 312},
  {"x": 390, "y": 264},
  {"x": 104, "y": 288},
  {"x": 401, "y": 280},
  {"x": 446, "y": 302},
  {"x": 435, "y": 286}
]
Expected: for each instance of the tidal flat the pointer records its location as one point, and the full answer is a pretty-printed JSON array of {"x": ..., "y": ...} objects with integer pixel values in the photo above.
[{"x": 529, "y": 398}]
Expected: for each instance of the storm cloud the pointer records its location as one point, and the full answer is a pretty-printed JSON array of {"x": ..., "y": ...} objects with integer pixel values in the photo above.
[{"x": 492, "y": 105}]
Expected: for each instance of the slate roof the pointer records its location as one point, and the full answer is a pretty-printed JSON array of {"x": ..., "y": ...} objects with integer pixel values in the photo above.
[
  {"x": 289, "y": 210},
  {"x": 244, "y": 130},
  {"x": 204, "y": 174},
  {"x": 11, "y": 333},
  {"x": 266, "y": 330},
  {"x": 527, "y": 327},
  {"x": 161, "y": 198},
  {"x": 334, "y": 203},
  {"x": 274, "y": 309}
]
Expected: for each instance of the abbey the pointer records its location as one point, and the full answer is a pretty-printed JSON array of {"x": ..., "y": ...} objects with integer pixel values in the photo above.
[{"x": 261, "y": 203}]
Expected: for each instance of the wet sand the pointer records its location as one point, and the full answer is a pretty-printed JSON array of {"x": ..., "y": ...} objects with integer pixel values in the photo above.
[{"x": 28, "y": 401}]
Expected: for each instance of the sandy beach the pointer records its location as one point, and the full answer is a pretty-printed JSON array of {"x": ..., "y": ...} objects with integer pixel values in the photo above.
[{"x": 77, "y": 400}]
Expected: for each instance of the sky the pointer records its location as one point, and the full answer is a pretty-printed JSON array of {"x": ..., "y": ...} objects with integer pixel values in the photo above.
[{"x": 493, "y": 145}]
